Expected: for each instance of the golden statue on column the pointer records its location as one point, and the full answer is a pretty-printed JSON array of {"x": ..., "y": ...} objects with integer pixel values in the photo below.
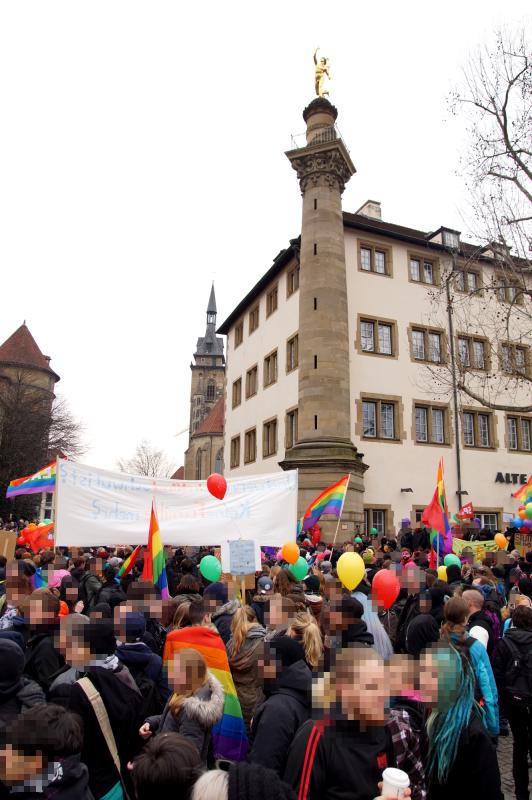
[{"x": 322, "y": 75}]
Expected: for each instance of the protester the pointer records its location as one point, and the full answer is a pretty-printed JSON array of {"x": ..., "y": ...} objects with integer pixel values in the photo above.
[
  {"x": 42, "y": 659},
  {"x": 479, "y": 624},
  {"x": 19, "y": 585},
  {"x": 343, "y": 624},
  {"x": 261, "y": 600},
  {"x": 90, "y": 583},
  {"x": 304, "y": 628},
  {"x": 243, "y": 650},
  {"x": 166, "y": 769},
  {"x": 17, "y": 692},
  {"x": 111, "y": 592},
  {"x": 187, "y": 590},
  {"x": 215, "y": 597}
]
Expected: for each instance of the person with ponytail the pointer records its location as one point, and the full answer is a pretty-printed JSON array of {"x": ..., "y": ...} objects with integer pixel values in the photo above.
[
  {"x": 194, "y": 707},
  {"x": 243, "y": 650},
  {"x": 305, "y": 630},
  {"x": 455, "y": 633},
  {"x": 462, "y": 760}
]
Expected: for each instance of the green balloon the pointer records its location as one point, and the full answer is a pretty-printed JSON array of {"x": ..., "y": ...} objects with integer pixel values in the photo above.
[
  {"x": 300, "y": 569},
  {"x": 451, "y": 558},
  {"x": 210, "y": 568},
  {"x": 374, "y": 532},
  {"x": 358, "y": 540}
]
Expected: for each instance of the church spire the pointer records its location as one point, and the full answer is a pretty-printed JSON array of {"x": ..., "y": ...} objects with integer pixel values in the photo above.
[{"x": 211, "y": 308}]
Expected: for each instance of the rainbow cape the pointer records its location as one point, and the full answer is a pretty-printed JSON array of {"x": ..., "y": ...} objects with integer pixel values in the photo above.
[
  {"x": 524, "y": 494},
  {"x": 128, "y": 564},
  {"x": 154, "y": 561},
  {"x": 41, "y": 481},
  {"x": 229, "y": 734},
  {"x": 331, "y": 501},
  {"x": 436, "y": 517}
]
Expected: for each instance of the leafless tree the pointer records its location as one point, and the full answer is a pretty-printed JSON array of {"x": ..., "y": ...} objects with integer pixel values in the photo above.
[
  {"x": 147, "y": 460},
  {"x": 495, "y": 99}
]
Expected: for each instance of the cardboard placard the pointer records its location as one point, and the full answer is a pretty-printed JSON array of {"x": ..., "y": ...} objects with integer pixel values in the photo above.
[{"x": 8, "y": 544}]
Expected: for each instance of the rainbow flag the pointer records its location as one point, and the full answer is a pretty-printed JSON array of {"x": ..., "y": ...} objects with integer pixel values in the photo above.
[
  {"x": 524, "y": 494},
  {"x": 331, "y": 501},
  {"x": 129, "y": 562},
  {"x": 154, "y": 562},
  {"x": 41, "y": 481},
  {"x": 436, "y": 517},
  {"x": 229, "y": 734}
]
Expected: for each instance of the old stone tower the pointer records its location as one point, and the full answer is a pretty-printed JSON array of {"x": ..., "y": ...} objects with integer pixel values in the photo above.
[
  {"x": 324, "y": 451},
  {"x": 205, "y": 450}
]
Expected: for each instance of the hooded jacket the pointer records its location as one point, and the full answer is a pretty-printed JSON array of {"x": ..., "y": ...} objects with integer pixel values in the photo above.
[
  {"x": 522, "y": 639},
  {"x": 138, "y": 658},
  {"x": 64, "y": 779},
  {"x": 223, "y": 618},
  {"x": 122, "y": 704},
  {"x": 422, "y": 630},
  {"x": 16, "y": 691},
  {"x": 486, "y": 681},
  {"x": 195, "y": 718},
  {"x": 259, "y": 605},
  {"x": 276, "y": 721},
  {"x": 481, "y": 620},
  {"x": 356, "y": 633},
  {"x": 42, "y": 660},
  {"x": 111, "y": 593},
  {"x": 89, "y": 589},
  {"x": 244, "y": 671}
]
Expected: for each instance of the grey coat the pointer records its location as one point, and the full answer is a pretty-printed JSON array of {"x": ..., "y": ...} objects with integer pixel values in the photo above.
[{"x": 195, "y": 718}]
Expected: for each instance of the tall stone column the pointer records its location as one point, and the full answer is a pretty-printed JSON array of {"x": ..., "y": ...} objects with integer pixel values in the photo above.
[{"x": 324, "y": 451}]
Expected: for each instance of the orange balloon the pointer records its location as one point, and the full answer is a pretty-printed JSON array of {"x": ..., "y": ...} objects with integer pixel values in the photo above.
[
  {"x": 290, "y": 552},
  {"x": 521, "y": 513},
  {"x": 500, "y": 540}
]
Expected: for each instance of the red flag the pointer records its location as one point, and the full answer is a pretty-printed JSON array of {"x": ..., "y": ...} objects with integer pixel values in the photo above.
[{"x": 466, "y": 512}]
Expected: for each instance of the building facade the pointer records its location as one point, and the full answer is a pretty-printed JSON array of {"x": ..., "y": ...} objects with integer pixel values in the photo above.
[
  {"x": 205, "y": 449},
  {"x": 342, "y": 358}
]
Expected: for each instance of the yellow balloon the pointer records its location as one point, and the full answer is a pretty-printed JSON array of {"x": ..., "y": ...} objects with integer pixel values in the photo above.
[
  {"x": 442, "y": 573},
  {"x": 350, "y": 568}
]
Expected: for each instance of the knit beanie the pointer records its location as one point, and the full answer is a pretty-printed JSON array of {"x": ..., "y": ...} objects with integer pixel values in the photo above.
[
  {"x": 254, "y": 782},
  {"x": 216, "y": 591},
  {"x": 100, "y": 637},
  {"x": 287, "y": 650},
  {"x": 11, "y": 666}
]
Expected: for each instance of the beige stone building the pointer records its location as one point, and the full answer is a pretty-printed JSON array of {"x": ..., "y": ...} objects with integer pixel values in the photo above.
[
  {"x": 205, "y": 449},
  {"x": 340, "y": 359}
]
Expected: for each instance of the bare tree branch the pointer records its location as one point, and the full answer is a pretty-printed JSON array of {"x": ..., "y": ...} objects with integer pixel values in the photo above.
[{"x": 147, "y": 460}]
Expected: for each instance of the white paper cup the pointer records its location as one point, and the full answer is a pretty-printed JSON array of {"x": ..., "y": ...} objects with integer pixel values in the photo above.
[{"x": 394, "y": 783}]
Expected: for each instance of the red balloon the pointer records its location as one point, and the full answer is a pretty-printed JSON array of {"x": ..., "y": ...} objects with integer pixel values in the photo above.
[
  {"x": 385, "y": 588},
  {"x": 217, "y": 485}
]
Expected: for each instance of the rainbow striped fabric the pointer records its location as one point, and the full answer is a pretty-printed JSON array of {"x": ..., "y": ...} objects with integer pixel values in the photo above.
[
  {"x": 41, "y": 481},
  {"x": 154, "y": 561},
  {"x": 229, "y": 734},
  {"x": 129, "y": 562},
  {"x": 331, "y": 501},
  {"x": 436, "y": 518},
  {"x": 524, "y": 494}
]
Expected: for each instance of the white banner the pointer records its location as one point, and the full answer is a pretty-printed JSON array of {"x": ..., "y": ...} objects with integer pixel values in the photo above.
[{"x": 95, "y": 507}]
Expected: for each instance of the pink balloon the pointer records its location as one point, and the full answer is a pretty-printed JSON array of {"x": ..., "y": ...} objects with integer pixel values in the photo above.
[
  {"x": 279, "y": 555},
  {"x": 217, "y": 485}
]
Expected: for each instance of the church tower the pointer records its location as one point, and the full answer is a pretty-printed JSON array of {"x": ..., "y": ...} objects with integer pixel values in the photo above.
[
  {"x": 208, "y": 370},
  {"x": 324, "y": 451}
]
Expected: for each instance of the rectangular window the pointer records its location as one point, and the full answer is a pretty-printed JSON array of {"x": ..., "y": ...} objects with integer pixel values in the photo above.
[
  {"x": 291, "y": 428},
  {"x": 472, "y": 281},
  {"x": 367, "y": 336},
  {"x": 269, "y": 438},
  {"x": 418, "y": 344},
  {"x": 369, "y": 419},
  {"x": 271, "y": 301},
  {"x": 438, "y": 428},
  {"x": 514, "y": 359},
  {"x": 428, "y": 272},
  {"x": 520, "y": 359},
  {"x": 374, "y": 259},
  {"x": 292, "y": 281},
  {"x": 376, "y": 337},
  {"x": 385, "y": 339},
  {"x": 526, "y": 426},
  {"x": 378, "y": 419},
  {"x": 489, "y": 520},
  {"x": 250, "y": 446},
  {"x": 375, "y": 518},
  {"x": 460, "y": 281},
  {"x": 512, "y": 433},
  {"x": 292, "y": 353},
  {"x": 508, "y": 292},
  {"x": 469, "y": 429},
  {"x": 235, "y": 452},
  {"x": 435, "y": 347},
  {"x": 237, "y": 392},
  {"x": 463, "y": 351},
  {"x": 387, "y": 421},
  {"x": 422, "y": 427},
  {"x": 270, "y": 369},
  {"x": 239, "y": 334},
  {"x": 415, "y": 269},
  {"x": 479, "y": 359},
  {"x": 254, "y": 319},
  {"x": 484, "y": 430},
  {"x": 251, "y": 382}
]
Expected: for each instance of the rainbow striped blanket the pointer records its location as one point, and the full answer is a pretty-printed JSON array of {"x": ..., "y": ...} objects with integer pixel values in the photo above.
[{"x": 229, "y": 734}]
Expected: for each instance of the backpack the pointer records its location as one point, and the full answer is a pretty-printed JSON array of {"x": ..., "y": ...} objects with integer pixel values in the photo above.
[
  {"x": 518, "y": 682},
  {"x": 155, "y": 636}
]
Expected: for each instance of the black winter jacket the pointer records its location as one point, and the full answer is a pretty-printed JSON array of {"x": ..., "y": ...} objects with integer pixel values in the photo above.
[
  {"x": 503, "y": 657},
  {"x": 25, "y": 695},
  {"x": 41, "y": 659},
  {"x": 277, "y": 720},
  {"x": 138, "y": 658},
  {"x": 223, "y": 618},
  {"x": 111, "y": 593}
]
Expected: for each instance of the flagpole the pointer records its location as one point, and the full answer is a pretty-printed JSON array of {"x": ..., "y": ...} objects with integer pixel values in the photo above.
[{"x": 341, "y": 511}]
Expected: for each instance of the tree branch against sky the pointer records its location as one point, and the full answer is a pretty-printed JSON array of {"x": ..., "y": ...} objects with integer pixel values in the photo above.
[{"x": 147, "y": 460}]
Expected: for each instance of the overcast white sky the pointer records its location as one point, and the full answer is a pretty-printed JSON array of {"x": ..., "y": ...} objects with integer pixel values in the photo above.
[{"x": 142, "y": 156}]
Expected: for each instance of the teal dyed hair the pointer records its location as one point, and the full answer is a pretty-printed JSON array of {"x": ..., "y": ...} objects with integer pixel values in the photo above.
[{"x": 456, "y": 700}]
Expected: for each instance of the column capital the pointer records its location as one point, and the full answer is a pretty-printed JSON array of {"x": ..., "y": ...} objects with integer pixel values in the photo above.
[{"x": 322, "y": 165}]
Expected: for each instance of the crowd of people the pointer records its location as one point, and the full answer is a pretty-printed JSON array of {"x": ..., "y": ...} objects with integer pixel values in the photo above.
[{"x": 300, "y": 688}]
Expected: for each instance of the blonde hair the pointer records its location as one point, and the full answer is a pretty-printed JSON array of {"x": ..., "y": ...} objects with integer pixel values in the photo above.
[
  {"x": 347, "y": 662},
  {"x": 212, "y": 785},
  {"x": 305, "y": 627},
  {"x": 181, "y": 618},
  {"x": 195, "y": 669},
  {"x": 243, "y": 620}
]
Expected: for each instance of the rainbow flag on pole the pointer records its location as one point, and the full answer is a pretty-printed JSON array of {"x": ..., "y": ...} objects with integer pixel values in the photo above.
[
  {"x": 154, "y": 562},
  {"x": 41, "y": 481},
  {"x": 229, "y": 738},
  {"x": 436, "y": 517},
  {"x": 524, "y": 494},
  {"x": 331, "y": 501},
  {"x": 129, "y": 562}
]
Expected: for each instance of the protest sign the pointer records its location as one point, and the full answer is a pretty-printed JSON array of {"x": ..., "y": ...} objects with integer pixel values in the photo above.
[
  {"x": 96, "y": 507},
  {"x": 8, "y": 543},
  {"x": 240, "y": 557},
  {"x": 479, "y": 549}
]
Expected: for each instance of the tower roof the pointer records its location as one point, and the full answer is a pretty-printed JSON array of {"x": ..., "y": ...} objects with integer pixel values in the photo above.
[
  {"x": 21, "y": 349},
  {"x": 211, "y": 308},
  {"x": 213, "y": 422}
]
